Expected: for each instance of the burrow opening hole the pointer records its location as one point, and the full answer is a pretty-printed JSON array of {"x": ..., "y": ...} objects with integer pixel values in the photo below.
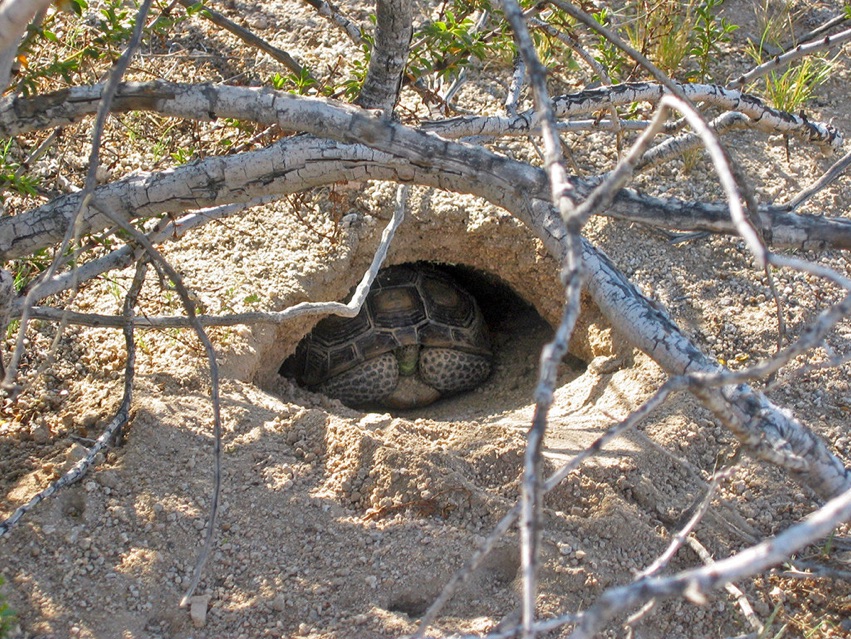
[{"x": 518, "y": 332}]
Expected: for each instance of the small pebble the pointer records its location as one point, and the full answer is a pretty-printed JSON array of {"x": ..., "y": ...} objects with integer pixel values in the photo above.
[{"x": 198, "y": 610}]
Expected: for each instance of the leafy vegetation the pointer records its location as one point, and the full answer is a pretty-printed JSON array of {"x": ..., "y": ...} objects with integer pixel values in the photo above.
[
  {"x": 12, "y": 174},
  {"x": 679, "y": 36},
  {"x": 445, "y": 46},
  {"x": 7, "y": 616},
  {"x": 709, "y": 32},
  {"x": 788, "y": 89}
]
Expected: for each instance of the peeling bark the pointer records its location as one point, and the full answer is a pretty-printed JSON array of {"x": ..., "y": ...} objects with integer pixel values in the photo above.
[
  {"x": 768, "y": 432},
  {"x": 393, "y": 33},
  {"x": 397, "y": 153}
]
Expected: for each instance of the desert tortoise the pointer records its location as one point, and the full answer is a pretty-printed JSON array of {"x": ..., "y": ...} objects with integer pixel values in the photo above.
[{"x": 418, "y": 336}]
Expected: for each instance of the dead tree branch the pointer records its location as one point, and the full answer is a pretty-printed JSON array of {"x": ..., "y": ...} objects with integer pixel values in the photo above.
[
  {"x": 249, "y": 38},
  {"x": 348, "y": 309},
  {"x": 112, "y": 430},
  {"x": 564, "y": 199},
  {"x": 292, "y": 165},
  {"x": 761, "y": 117},
  {"x": 783, "y": 60},
  {"x": 189, "y": 305},
  {"x": 337, "y": 18},
  {"x": 393, "y": 33},
  {"x": 694, "y": 584},
  {"x": 73, "y": 230}
]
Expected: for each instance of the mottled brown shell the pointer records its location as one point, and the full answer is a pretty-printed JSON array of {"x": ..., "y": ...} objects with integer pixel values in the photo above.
[{"x": 406, "y": 305}]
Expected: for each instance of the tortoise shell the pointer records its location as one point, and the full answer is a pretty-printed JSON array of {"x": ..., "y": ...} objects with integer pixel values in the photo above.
[{"x": 406, "y": 306}]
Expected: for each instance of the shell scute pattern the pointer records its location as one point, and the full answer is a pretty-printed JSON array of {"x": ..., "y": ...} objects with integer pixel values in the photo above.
[{"x": 416, "y": 322}]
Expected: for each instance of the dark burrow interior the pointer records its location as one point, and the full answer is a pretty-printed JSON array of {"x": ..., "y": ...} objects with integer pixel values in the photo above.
[{"x": 517, "y": 331}]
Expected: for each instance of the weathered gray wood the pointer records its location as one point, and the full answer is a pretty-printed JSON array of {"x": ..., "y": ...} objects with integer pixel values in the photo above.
[{"x": 393, "y": 33}]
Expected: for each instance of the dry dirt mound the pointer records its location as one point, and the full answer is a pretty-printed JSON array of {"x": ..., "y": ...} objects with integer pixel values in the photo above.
[{"x": 334, "y": 519}]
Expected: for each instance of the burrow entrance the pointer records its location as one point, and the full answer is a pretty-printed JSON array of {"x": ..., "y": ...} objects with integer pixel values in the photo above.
[{"x": 518, "y": 332}]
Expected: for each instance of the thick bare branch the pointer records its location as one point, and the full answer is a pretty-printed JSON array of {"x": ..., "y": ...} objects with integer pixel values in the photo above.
[
  {"x": 211, "y": 101},
  {"x": 764, "y": 118},
  {"x": 393, "y": 33},
  {"x": 407, "y": 154},
  {"x": 768, "y": 432},
  {"x": 399, "y": 153},
  {"x": 15, "y": 15},
  {"x": 697, "y": 581}
]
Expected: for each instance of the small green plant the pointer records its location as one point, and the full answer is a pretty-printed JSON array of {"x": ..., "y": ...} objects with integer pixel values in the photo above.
[
  {"x": 116, "y": 23},
  {"x": 690, "y": 159},
  {"x": 447, "y": 45},
  {"x": 768, "y": 631},
  {"x": 84, "y": 46},
  {"x": 352, "y": 85},
  {"x": 182, "y": 155},
  {"x": 674, "y": 44},
  {"x": 278, "y": 82},
  {"x": 303, "y": 81},
  {"x": 672, "y": 32},
  {"x": 26, "y": 269},
  {"x": 298, "y": 83},
  {"x": 12, "y": 178},
  {"x": 115, "y": 290},
  {"x": 660, "y": 30},
  {"x": 709, "y": 32},
  {"x": 12, "y": 328},
  {"x": 7, "y": 616},
  {"x": 791, "y": 89},
  {"x": 608, "y": 55}
]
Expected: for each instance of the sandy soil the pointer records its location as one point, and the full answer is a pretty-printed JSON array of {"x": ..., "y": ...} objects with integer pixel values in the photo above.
[{"x": 340, "y": 523}]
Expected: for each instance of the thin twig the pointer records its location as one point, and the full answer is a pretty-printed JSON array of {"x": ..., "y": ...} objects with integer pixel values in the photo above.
[
  {"x": 695, "y": 582},
  {"x": 563, "y": 198},
  {"x": 833, "y": 173},
  {"x": 835, "y": 21},
  {"x": 250, "y": 38},
  {"x": 803, "y": 569},
  {"x": 598, "y": 69},
  {"x": 680, "y": 538},
  {"x": 127, "y": 254},
  {"x": 110, "y": 89},
  {"x": 744, "y": 225},
  {"x": 735, "y": 591},
  {"x": 518, "y": 77},
  {"x": 464, "y": 573},
  {"x": 189, "y": 305},
  {"x": 783, "y": 60},
  {"x": 333, "y": 14},
  {"x": 344, "y": 309},
  {"x": 79, "y": 470}
]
